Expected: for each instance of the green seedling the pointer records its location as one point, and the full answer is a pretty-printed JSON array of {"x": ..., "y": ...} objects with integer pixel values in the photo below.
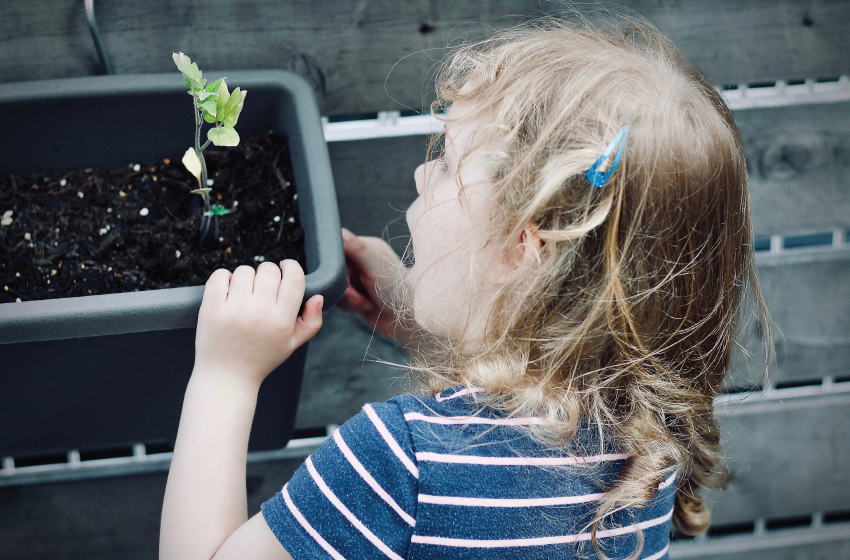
[
  {"x": 213, "y": 104},
  {"x": 216, "y": 211}
]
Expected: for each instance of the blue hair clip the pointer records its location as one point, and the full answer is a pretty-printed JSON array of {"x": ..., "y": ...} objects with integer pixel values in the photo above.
[{"x": 598, "y": 179}]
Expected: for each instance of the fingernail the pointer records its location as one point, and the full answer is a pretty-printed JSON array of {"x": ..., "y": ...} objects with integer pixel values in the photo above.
[
  {"x": 321, "y": 302},
  {"x": 346, "y": 235}
]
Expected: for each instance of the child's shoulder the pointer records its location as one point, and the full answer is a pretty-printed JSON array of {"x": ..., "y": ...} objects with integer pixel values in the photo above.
[{"x": 457, "y": 401}]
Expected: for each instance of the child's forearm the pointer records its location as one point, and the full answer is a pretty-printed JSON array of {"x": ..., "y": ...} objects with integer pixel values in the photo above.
[{"x": 205, "y": 497}]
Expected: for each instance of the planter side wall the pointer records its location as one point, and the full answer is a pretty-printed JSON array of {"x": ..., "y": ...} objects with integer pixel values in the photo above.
[{"x": 113, "y": 391}]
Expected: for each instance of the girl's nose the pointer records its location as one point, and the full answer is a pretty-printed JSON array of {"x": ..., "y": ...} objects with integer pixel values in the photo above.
[
  {"x": 419, "y": 178},
  {"x": 423, "y": 176}
]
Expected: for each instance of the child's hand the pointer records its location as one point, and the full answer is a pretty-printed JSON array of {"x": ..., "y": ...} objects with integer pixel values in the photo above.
[
  {"x": 249, "y": 324},
  {"x": 374, "y": 271}
]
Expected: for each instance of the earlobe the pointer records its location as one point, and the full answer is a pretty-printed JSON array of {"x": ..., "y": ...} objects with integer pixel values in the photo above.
[
  {"x": 529, "y": 244},
  {"x": 526, "y": 249}
]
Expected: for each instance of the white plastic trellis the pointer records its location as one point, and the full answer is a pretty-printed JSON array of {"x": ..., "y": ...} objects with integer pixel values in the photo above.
[
  {"x": 140, "y": 462},
  {"x": 391, "y": 124}
]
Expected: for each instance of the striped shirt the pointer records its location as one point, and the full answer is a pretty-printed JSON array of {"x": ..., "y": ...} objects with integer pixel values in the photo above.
[{"x": 447, "y": 478}]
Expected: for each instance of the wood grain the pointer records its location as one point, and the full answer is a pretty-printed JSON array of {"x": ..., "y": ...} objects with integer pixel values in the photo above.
[
  {"x": 787, "y": 458},
  {"x": 798, "y": 160},
  {"x": 377, "y": 54}
]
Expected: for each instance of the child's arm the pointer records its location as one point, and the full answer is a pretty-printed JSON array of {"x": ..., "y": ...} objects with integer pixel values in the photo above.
[{"x": 247, "y": 326}]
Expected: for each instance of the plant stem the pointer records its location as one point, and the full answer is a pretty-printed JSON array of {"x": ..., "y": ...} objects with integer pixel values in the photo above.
[{"x": 205, "y": 219}]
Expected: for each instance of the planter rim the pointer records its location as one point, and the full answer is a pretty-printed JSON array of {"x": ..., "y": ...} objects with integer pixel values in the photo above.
[{"x": 173, "y": 308}]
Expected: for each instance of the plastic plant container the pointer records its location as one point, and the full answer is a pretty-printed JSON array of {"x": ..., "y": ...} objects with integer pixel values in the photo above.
[{"x": 110, "y": 370}]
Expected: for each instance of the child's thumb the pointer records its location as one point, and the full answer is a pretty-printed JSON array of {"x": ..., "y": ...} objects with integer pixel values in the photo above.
[{"x": 310, "y": 321}]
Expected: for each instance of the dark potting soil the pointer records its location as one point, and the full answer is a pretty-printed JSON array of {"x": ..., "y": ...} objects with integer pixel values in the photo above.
[{"x": 131, "y": 227}]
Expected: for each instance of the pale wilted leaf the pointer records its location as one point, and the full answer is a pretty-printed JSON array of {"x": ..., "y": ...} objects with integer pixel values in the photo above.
[{"x": 192, "y": 163}]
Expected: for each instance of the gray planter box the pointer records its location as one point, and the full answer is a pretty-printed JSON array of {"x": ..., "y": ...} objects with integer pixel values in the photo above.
[{"x": 110, "y": 370}]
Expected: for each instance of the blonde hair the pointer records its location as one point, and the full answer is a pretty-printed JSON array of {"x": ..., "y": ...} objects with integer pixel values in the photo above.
[{"x": 627, "y": 316}]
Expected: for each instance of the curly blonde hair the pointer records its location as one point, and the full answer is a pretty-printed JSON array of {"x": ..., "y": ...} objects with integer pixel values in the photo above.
[{"x": 627, "y": 316}]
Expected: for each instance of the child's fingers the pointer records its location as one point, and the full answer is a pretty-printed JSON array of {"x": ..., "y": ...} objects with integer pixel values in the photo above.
[
  {"x": 267, "y": 281},
  {"x": 215, "y": 290},
  {"x": 309, "y": 323},
  {"x": 369, "y": 254},
  {"x": 291, "y": 290},
  {"x": 241, "y": 283}
]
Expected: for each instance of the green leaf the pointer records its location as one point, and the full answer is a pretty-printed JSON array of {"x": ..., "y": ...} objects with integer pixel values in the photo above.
[
  {"x": 201, "y": 191},
  {"x": 188, "y": 68},
  {"x": 209, "y": 107},
  {"x": 209, "y": 118},
  {"x": 223, "y": 136},
  {"x": 223, "y": 98},
  {"x": 217, "y": 210},
  {"x": 234, "y": 104},
  {"x": 180, "y": 60},
  {"x": 204, "y": 94},
  {"x": 212, "y": 87}
]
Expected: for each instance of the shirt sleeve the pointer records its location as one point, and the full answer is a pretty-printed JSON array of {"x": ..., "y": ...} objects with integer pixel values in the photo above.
[{"x": 355, "y": 496}]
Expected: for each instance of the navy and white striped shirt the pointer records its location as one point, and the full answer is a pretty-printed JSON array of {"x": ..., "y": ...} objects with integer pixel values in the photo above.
[{"x": 420, "y": 478}]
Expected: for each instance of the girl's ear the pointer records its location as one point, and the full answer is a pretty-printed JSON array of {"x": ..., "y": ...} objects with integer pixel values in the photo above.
[
  {"x": 526, "y": 249},
  {"x": 529, "y": 244}
]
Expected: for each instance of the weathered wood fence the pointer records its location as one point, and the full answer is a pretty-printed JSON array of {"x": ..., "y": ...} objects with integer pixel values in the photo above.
[{"x": 788, "y": 447}]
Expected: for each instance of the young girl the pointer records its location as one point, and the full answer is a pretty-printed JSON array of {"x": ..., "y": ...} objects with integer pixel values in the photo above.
[{"x": 582, "y": 245}]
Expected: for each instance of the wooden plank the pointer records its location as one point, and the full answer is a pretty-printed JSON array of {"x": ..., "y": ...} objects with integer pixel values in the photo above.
[
  {"x": 374, "y": 184},
  {"x": 798, "y": 160},
  {"x": 349, "y": 51},
  {"x": 827, "y": 543},
  {"x": 105, "y": 519},
  {"x": 787, "y": 457},
  {"x": 809, "y": 304}
]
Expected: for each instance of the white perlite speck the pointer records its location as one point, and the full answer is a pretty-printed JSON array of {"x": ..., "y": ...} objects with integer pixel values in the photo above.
[
  {"x": 109, "y": 210},
  {"x": 7, "y": 218},
  {"x": 143, "y": 212},
  {"x": 210, "y": 182},
  {"x": 291, "y": 220},
  {"x": 103, "y": 231},
  {"x": 63, "y": 182},
  {"x": 220, "y": 239},
  {"x": 137, "y": 167},
  {"x": 17, "y": 300},
  {"x": 259, "y": 258},
  {"x": 177, "y": 254},
  {"x": 17, "y": 275},
  {"x": 80, "y": 194},
  {"x": 277, "y": 219},
  {"x": 27, "y": 236}
]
